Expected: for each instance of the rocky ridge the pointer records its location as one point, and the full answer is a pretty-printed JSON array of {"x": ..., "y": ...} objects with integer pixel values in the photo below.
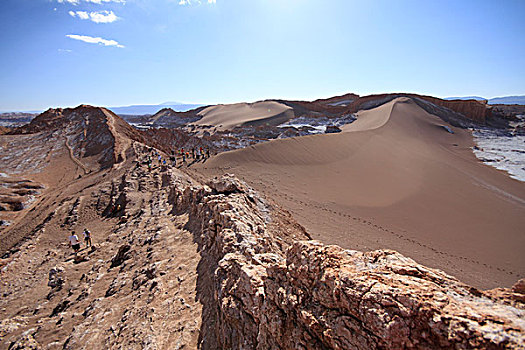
[
  {"x": 92, "y": 134},
  {"x": 306, "y": 295}
]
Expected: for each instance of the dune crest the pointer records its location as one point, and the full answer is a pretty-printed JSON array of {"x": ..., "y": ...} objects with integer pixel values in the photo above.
[
  {"x": 228, "y": 116},
  {"x": 373, "y": 119},
  {"x": 396, "y": 179}
]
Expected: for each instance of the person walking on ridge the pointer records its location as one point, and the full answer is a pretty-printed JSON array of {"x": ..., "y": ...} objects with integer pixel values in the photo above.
[
  {"x": 87, "y": 237},
  {"x": 74, "y": 242}
]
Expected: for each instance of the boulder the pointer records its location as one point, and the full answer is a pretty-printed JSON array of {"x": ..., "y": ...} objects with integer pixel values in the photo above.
[
  {"x": 227, "y": 184},
  {"x": 56, "y": 278},
  {"x": 122, "y": 255},
  {"x": 332, "y": 129}
]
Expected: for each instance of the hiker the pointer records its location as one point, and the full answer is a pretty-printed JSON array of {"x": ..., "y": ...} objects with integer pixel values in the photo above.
[
  {"x": 160, "y": 159},
  {"x": 198, "y": 153},
  {"x": 173, "y": 159},
  {"x": 207, "y": 153},
  {"x": 193, "y": 152},
  {"x": 87, "y": 237},
  {"x": 74, "y": 242}
]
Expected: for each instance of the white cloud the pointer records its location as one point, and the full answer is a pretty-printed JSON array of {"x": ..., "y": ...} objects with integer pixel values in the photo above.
[
  {"x": 93, "y": 40},
  {"x": 103, "y": 17},
  {"x": 212, "y": 1},
  {"x": 64, "y": 50},
  {"x": 82, "y": 15},
  {"x": 97, "y": 17}
]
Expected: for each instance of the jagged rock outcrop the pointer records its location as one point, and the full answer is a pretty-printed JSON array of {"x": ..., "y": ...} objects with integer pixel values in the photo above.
[
  {"x": 262, "y": 295},
  {"x": 169, "y": 118},
  {"x": 90, "y": 133},
  {"x": 472, "y": 109},
  {"x": 26, "y": 342}
]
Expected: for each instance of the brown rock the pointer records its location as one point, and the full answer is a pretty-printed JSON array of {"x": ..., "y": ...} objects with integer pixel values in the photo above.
[
  {"x": 227, "y": 184},
  {"x": 519, "y": 287},
  {"x": 26, "y": 342},
  {"x": 122, "y": 255}
]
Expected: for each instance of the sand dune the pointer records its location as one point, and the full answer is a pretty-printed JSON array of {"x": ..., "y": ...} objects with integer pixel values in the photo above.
[
  {"x": 229, "y": 116},
  {"x": 371, "y": 119},
  {"x": 396, "y": 179}
]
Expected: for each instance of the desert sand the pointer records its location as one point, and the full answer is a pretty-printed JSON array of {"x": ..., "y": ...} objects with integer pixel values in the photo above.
[
  {"x": 229, "y": 116},
  {"x": 396, "y": 179}
]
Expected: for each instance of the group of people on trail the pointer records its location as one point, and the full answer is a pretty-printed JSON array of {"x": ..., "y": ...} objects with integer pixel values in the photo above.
[
  {"x": 74, "y": 242},
  {"x": 197, "y": 153}
]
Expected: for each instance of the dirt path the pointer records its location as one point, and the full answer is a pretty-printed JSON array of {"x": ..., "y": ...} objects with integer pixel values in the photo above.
[
  {"x": 73, "y": 158},
  {"x": 121, "y": 143}
]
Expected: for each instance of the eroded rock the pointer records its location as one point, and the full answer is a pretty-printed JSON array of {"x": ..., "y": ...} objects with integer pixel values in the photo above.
[
  {"x": 56, "y": 280},
  {"x": 227, "y": 184},
  {"x": 26, "y": 342},
  {"x": 122, "y": 255},
  {"x": 313, "y": 296}
]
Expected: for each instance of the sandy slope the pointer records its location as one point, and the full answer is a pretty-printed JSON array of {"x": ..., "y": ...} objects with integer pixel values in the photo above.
[
  {"x": 396, "y": 179},
  {"x": 229, "y": 116}
]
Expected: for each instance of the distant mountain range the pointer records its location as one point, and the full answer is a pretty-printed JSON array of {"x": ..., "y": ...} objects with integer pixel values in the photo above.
[
  {"x": 152, "y": 109},
  {"x": 506, "y": 100},
  {"x": 136, "y": 109}
]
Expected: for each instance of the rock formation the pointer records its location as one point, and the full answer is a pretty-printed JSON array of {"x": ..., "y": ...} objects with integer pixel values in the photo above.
[
  {"x": 90, "y": 133},
  {"x": 312, "y": 296}
]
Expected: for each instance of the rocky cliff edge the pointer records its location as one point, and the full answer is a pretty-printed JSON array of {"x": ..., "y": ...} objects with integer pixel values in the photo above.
[{"x": 306, "y": 295}]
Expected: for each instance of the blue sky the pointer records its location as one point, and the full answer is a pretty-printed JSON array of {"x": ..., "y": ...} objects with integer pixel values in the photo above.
[{"x": 115, "y": 52}]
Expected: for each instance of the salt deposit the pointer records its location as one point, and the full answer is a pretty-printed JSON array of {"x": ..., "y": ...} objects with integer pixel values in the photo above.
[
  {"x": 320, "y": 124},
  {"x": 502, "y": 151}
]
